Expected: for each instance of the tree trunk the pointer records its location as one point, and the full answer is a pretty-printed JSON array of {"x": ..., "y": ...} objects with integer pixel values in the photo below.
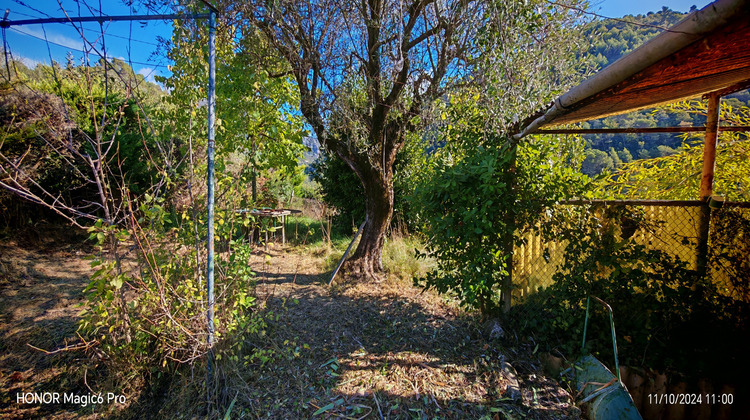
[{"x": 366, "y": 261}]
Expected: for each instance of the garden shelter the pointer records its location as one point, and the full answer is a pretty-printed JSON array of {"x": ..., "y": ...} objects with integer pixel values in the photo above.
[{"x": 706, "y": 54}]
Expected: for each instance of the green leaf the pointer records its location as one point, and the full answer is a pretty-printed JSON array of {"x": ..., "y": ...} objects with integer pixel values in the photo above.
[{"x": 323, "y": 409}]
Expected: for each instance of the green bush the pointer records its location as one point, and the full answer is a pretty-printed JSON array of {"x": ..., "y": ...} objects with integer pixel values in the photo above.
[
  {"x": 467, "y": 206},
  {"x": 477, "y": 208},
  {"x": 153, "y": 319},
  {"x": 667, "y": 317}
]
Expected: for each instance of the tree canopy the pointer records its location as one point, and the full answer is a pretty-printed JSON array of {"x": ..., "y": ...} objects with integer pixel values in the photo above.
[{"x": 368, "y": 74}]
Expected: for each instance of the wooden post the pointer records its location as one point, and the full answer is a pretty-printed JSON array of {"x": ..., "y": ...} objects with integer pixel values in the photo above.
[
  {"x": 709, "y": 150},
  {"x": 510, "y": 223},
  {"x": 343, "y": 257},
  {"x": 707, "y": 180}
]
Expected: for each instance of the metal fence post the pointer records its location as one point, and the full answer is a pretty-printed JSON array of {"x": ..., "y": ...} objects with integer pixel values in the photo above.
[
  {"x": 510, "y": 226},
  {"x": 211, "y": 184}
]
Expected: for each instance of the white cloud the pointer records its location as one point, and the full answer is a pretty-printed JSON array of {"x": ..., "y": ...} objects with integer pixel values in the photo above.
[
  {"x": 148, "y": 73},
  {"x": 28, "y": 62},
  {"x": 62, "y": 40}
]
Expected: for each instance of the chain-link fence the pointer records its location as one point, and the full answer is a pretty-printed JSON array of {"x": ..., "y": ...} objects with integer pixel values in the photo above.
[
  {"x": 673, "y": 227},
  {"x": 677, "y": 275}
]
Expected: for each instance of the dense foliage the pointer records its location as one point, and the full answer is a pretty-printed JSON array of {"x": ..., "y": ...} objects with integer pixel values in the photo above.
[
  {"x": 484, "y": 189},
  {"x": 477, "y": 209},
  {"x": 256, "y": 128},
  {"x": 660, "y": 304}
]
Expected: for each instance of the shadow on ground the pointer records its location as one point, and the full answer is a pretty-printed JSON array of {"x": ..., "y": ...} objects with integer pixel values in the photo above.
[
  {"x": 379, "y": 350},
  {"x": 40, "y": 289}
]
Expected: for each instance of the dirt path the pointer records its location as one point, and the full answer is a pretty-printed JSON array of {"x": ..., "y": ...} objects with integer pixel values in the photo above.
[{"x": 389, "y": 350}]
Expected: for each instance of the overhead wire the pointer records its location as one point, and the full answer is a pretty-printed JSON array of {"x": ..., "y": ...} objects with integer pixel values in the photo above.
[
  {"x": 78, "y": 49},
  {"x": 600, "y": 16},
  {"x": 21, "y": 3}
]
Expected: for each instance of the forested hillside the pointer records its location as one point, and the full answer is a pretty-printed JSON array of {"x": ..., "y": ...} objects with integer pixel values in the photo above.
[{"x": 613, "y": 38}]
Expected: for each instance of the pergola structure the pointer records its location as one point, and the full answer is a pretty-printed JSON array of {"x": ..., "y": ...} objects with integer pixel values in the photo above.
[{"x": 707, "y": 54}]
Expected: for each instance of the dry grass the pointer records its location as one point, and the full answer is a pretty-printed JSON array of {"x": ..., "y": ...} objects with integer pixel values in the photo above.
[
  {"x": 41, "y": 285},
  {"x": 375, "y": 350},
  {"x": 399, "y": 258},
  {"x": 353, "y": 350}
]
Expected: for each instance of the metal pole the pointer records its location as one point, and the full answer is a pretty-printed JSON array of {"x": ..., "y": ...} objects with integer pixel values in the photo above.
[
  {"x": 211, "y": 183},
  {"x": 614, "y": 336},
  {"x": 5, "y": 23},
  {"x": 343, "y": 257},
  {"x": 510, "y": 226},
  {"x": 585, "y": 325}
]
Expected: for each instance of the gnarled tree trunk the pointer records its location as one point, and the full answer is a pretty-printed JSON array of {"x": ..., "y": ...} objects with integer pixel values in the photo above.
[{"x": 366, "y": 260}]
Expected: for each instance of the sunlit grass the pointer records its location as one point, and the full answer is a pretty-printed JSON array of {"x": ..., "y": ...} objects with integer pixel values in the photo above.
[{"x": 399, "y": 257}]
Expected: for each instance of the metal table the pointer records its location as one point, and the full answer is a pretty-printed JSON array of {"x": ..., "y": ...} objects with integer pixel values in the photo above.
[{"x": 272, "y": 214}]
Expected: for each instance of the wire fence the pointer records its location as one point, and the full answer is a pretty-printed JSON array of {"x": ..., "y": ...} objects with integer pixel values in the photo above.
[
  {"x": 689, "y": 342},
  {"x": 672, "y": 227}
]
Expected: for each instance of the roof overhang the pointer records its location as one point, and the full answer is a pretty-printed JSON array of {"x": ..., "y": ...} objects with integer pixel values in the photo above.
[{"x": 708, "y": 51}]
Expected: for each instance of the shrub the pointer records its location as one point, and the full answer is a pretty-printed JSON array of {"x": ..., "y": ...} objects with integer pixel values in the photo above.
[
  {"x": 476, "y": 209},
  {"x": 667, "y": 316},
  {"x": 153, "y": 319}
]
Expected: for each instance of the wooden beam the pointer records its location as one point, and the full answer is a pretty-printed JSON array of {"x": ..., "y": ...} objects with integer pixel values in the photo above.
[
  {"x": 709, "y": 150},
  {"x": 643, "y": 130},
  {"x": 667, "y": 203},
  {"x": 745, "y": 84},
  {"x": 660, "y": 203}
]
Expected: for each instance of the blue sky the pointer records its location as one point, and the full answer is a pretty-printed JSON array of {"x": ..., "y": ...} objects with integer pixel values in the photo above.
[
  {"x": 620, "y": 8},
  {"x": 136, "y": 42}
]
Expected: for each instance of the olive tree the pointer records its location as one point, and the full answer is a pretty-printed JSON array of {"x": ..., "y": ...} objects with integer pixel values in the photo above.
[{"x": 366, "y": 72}]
